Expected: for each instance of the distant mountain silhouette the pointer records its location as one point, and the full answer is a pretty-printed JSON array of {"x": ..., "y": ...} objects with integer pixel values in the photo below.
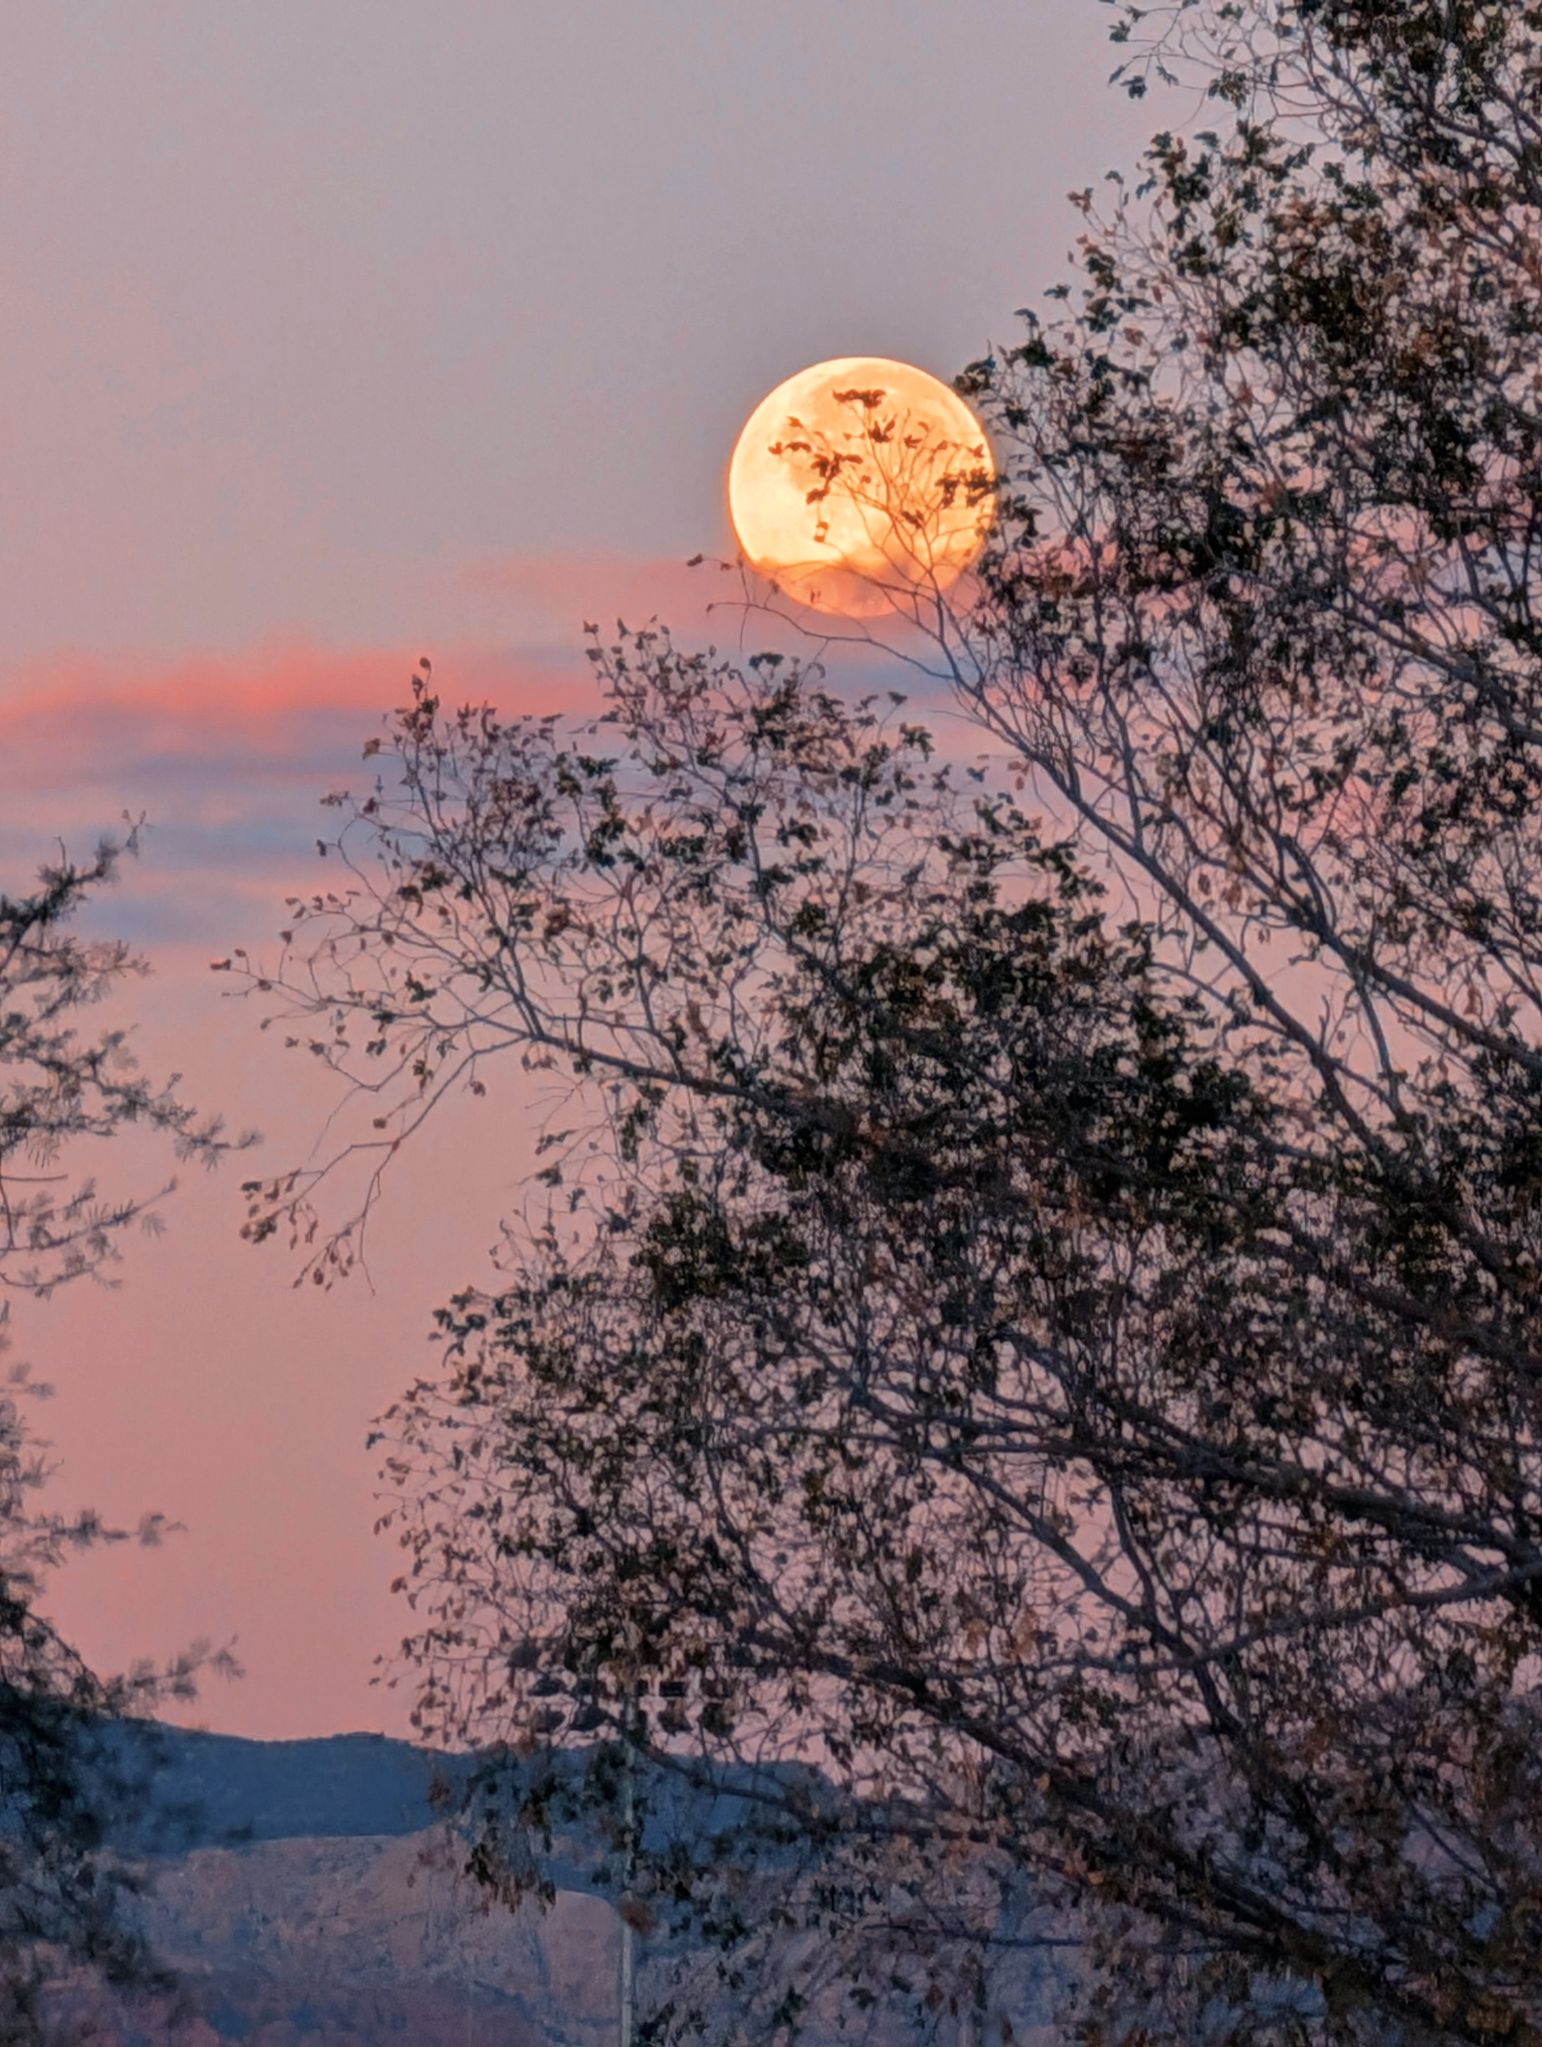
[
  {"x": 311, "y": 1894},
  {"x": 211, "y": 1790}
]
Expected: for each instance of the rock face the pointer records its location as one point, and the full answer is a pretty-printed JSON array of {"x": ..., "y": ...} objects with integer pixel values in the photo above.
[{"x": 360, "y": 1941}]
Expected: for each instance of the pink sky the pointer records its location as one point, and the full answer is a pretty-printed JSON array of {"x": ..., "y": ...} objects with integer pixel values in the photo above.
[{"x": 339, "y": 335}]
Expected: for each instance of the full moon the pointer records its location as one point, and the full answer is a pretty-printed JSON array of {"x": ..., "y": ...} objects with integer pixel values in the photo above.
[{"x": 861, "y": 486}]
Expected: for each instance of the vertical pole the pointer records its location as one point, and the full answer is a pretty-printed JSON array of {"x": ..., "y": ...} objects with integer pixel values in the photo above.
[{"x": 626, "y": 1998}]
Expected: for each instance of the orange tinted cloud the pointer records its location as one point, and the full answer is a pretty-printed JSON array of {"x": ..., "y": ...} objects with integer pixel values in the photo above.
[
  {"x": 227, "y": 756},
  {"x": 79, "y": 719}
]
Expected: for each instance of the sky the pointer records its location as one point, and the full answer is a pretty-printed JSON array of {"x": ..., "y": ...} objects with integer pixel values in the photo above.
[{"x": 340, "y": 332}]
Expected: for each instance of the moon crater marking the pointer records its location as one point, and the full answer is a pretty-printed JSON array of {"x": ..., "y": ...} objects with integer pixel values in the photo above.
[{"x": 861, "y": 485}]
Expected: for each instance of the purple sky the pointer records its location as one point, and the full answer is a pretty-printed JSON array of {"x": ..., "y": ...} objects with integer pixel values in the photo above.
[{"x": 341, "y": 331}]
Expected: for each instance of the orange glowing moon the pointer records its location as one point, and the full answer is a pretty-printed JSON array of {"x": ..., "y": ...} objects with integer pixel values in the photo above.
[{"x": 861, "y": 486}]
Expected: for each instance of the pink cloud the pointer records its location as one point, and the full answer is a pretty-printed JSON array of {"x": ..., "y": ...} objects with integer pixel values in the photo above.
[
  {"x": 227, "y": 755},
  {"x": 80, "y": 719}
]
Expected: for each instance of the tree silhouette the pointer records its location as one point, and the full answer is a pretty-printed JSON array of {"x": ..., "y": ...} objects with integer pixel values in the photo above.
[
  {"x": 1037, "y": 1310},
  {"x": 65, "y": 1765}
]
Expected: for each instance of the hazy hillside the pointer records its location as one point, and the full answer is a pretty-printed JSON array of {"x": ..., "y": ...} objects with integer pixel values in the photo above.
[{"x": 308, "y": 1893}]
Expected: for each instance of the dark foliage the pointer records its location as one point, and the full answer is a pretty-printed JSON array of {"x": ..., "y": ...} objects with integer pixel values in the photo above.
[
  {"x": 1047, "y": 1326},
  {"x": 65, "y": 1772}
]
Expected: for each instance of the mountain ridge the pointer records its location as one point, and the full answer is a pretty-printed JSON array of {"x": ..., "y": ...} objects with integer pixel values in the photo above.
[{"x": 313, "y": 1893}]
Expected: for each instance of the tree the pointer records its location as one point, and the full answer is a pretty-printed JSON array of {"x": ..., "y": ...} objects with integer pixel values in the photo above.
[
  {"x": 65, "y": 1768},
  {"x": 1048, "y": 1325}
]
